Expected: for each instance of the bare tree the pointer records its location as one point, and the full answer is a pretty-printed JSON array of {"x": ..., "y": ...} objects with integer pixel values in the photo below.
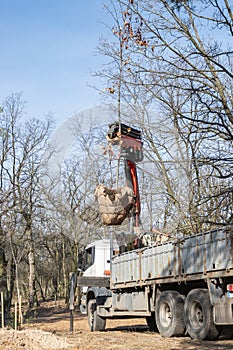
[
  {"x": 24, "y": 143},
  {"x": 176, "y": 63}
]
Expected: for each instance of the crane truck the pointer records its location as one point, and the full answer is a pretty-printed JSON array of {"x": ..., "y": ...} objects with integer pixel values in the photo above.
[{"x": 180, "y": 286}]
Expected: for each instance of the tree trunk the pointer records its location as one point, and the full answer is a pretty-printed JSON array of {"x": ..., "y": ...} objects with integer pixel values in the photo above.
[
  {"x": 32, "y": 277},
  {"x": 11, "y": 273},
  {"x": 40, "y": 284},
  {"x": 64, "y": 273},
  {"x": 3, "y": 267}
]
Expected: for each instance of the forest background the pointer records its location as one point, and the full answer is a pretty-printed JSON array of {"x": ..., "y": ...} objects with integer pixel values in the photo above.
[{"x": 167, "y": 71}]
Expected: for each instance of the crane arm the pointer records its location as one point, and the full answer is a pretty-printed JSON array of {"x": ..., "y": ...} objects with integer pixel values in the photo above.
[
  {"x": 130, "y": 141},
  {"x": 132, "y": 181}
]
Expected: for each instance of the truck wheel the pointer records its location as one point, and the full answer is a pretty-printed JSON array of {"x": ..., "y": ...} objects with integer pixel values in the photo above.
[
  {"x": 151, "y": 323},
  {"x": 95, "y": 322},
  {"x": 170, "y": 314},
  {"x": 199, "y": 315}
]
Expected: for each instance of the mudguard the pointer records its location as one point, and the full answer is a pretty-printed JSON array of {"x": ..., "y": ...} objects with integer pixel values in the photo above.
[{"x": 98, "y": 293}]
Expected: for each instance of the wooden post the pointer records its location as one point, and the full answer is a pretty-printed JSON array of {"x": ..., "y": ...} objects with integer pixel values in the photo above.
[
  {"x": 15, "y": 315},
  {"x": 72, "y": 289},
  {"x": 20, "y": 311},
  {"x": 2, "y": 308}
]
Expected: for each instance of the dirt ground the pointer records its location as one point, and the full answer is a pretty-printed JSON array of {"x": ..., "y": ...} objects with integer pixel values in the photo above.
[{"x": 48, "y": 327}]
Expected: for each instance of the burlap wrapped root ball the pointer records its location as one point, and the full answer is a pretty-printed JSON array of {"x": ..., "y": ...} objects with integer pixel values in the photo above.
[{"x": 114, "y": 204}]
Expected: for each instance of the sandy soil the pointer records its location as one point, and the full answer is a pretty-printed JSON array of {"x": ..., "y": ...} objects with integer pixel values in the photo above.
[{"x": 48, "y": 327}]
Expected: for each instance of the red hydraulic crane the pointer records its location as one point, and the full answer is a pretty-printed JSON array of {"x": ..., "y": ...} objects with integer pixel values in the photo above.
[{"x": 130, "y": 141}]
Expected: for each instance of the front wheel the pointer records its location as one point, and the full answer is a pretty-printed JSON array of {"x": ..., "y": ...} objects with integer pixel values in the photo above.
[
  {"x": 95, "y": 322},
  {"x": 170, "y": 314},
  {"x": 199, "y": 315}
]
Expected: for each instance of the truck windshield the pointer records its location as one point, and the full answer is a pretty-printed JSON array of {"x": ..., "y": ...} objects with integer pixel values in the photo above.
[{"x": 89, "y": 258}]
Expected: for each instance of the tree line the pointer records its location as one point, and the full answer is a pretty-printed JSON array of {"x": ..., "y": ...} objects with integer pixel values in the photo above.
[{"x": 169, "y": 73}]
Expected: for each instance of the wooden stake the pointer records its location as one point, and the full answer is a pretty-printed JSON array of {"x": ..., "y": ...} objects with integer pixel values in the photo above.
[
  {"x": 20, "y": 311},
  {"x": 2, "y": 307},
  {"x": 72, "y": 289},
  {"x": 15, "y": 315}
]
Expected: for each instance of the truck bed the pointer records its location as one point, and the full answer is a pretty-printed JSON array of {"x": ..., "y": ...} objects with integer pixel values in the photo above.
[{"x": 208, "y": 254}]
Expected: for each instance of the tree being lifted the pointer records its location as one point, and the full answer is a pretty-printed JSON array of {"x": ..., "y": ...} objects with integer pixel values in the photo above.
[
  {"x": 175, "y": 58},
  {"x": 116, "y": 205}
]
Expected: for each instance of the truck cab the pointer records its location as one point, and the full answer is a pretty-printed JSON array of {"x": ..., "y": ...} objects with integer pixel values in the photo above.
[{"x": 96, "y": 264}]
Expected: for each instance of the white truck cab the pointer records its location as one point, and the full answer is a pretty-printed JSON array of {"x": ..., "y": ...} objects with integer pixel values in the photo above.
[{"x": 96, "y": 264}]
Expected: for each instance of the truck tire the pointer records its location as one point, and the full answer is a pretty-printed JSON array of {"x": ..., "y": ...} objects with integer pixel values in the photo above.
[
  {"x": 151, "y": 323},
  {"x": 95, "y": 322},
  {"x": 199, "y": 315},
  {"x": 170, "y": 314}
]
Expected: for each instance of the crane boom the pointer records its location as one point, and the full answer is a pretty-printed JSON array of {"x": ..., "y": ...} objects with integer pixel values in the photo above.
[{"x": 130, "y": 141}]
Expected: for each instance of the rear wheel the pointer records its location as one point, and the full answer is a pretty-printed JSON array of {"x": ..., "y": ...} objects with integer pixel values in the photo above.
[
  {"x": 199, "y": 315},
  {"x": 95, "y": 322},
  {"x": 170, "y": 314}
]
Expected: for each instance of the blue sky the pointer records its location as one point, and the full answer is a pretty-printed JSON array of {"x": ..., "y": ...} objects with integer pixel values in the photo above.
[{"x": 48, "y": 48}]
